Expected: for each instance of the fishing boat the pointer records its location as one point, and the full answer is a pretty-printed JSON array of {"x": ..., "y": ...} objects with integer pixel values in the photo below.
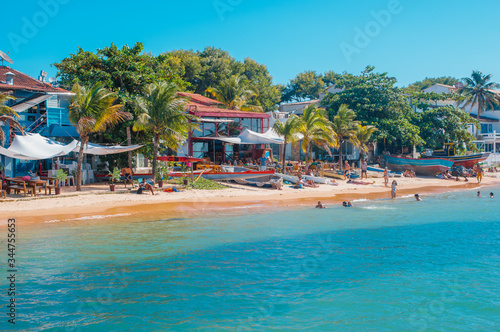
[
  {"x": 334, "y": 175},
  {"x": 426, "y": 167},
  {"x": 467, "y": 161}
]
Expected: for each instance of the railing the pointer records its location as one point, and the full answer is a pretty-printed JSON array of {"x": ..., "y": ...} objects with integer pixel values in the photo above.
[
  {"x": 490, "y": 136},
  {"x": 32, "y": 128}
]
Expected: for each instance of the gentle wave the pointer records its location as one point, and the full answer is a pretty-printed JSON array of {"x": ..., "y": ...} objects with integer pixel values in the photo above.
[{"x": 96, "y": 217}]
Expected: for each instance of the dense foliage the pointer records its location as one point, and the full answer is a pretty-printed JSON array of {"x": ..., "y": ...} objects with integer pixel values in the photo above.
[
  {"x": 427, "y": 82},
  {"x": 308, "y": 85}
]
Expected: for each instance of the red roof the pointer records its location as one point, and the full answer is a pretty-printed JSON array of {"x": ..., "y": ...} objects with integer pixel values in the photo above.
[
  {"x": 207, "y": 111},
  {"x": 25, "y": 82},
  {"x": 199, "y": 99}
]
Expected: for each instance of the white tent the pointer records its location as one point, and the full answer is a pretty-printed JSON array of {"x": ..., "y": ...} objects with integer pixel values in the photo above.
[
  {"x": 251, "y": 137},
  {"x": 100, "y": 150},
  {"x": 37, "y": 147}
]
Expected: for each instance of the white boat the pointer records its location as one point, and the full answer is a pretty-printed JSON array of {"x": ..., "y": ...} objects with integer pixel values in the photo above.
[
  {"x": 381, "y": 170},
  {"x": 295, "y": 179},
  {"x": 234, "y": 172}
]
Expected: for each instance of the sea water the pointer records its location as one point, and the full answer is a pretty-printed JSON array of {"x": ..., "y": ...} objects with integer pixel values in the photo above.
[{"x": 383, "y": 265}]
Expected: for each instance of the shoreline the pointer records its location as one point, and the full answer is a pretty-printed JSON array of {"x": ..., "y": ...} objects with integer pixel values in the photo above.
[{"x": 102, "y": 204}]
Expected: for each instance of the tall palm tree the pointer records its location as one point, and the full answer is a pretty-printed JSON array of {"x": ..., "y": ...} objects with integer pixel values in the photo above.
[
  {"x": 343, "y": 127},
  {"x": 316, "y": 129},
  {"x": 161, "y": 112},
  {"x": 477, "y": 92},
  {"x": 236, "y": 93},
  {"x": 289, "y": 131},
  {"x": 93, "y": 110},
  {"x": 364, "y": 137},
  {"x": 7, "y": 116}
]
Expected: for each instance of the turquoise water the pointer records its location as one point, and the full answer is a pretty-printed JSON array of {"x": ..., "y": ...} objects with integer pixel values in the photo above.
[{"x": 383, "y": 265}]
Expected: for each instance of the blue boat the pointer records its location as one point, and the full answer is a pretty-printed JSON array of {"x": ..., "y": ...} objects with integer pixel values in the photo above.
[{"x": 426, "y": 167}]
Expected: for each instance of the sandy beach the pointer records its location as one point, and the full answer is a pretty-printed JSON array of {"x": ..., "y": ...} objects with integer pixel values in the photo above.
[{"x": 99, "y": 201}]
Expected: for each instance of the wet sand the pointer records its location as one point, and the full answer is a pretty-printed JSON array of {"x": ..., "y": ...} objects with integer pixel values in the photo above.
[{"x": 97, "y": 203}]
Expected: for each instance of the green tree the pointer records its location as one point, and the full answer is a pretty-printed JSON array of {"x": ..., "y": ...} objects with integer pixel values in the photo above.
[
  {"x": 343, "y": 127},
  {"x": 93, "y": 110},
  {"x": 289, "y": 131},
  {"x": 236, "y": 93},
  {"x": 377, "y": 102},
  {"x": 364, "y": 137},
  {"x": 477, "y": 92},
  {"x": 7, "y": 116},
  {"x": 306, "y": 85},
  {"x": 446, "y": 124},
  {"x": 430, "y": 81},
  {"x": 316, "y": 129},
  {"x": 161, "y": 112}
]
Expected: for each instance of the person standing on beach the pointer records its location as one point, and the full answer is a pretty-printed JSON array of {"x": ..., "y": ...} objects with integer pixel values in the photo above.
[
  {"x": 479, "y": 171},
  {"x": 386, "y": 177},
  {"x": 364, "y": 167},
  {"x": 347, "y": 170},
  {"x": 263, "y": 160},
  {"x": 393, "y": 189}
]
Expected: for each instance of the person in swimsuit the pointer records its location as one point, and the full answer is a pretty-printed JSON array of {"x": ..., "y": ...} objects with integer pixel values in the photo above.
[
  {"x": 386, "y": 177},
  {"x": 394, "y": 189},
  {"x": 320, "y": 206}
]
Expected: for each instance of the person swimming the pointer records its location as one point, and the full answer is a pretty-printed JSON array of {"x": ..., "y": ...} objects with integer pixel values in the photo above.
[
  {"x": 346, "y": 204},
  {"x": 417, "y": 198},
  {"x": 478, "y": 194},
  {"x": 320, "y": 206},
  {"x": 491, "y": 195}
]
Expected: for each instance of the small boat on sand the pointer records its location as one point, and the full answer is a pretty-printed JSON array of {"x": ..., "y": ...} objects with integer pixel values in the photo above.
[
  {"x": 295, "y": 179},
  {"x": 381, "y": 170},
  {"x": 234, "y": 172}
]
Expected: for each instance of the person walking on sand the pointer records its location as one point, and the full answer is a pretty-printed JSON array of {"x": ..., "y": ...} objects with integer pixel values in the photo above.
[
  {"x": 393, "y": 189},
  {"x": 364, "y": 167},
  {"x": 479, "y": 171},
  {"x": 386, "y": 177}
]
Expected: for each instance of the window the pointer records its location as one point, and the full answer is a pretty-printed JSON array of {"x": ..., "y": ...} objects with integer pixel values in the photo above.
[{"x": 486, "y": 128}]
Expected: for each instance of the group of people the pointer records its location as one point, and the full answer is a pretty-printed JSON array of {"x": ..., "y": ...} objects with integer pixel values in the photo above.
[
  {"x": 491, "y": 194},
  {"x": 409, "y": 173},
  {"x": 344, "y": 204}
]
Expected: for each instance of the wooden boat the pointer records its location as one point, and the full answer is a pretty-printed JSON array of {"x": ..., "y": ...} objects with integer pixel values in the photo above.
[
  {"x": 334, "y": 175},
  {"x": 426, "y": 167},
  {"x": 467, "y": 161}
]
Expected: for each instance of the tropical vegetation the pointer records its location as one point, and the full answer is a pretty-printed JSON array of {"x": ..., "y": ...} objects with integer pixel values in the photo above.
[
  {"x": 161, "y": 112},
  {"x": 289, "y": 131},
  {"x": 315, "y": 129},
  {"x": 344, "y": 129},
  {"x": 93, "y": 109},
  {"x": 7, "y": 116}
]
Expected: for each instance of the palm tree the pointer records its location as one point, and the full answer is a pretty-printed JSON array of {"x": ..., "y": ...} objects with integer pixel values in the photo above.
[
  {"x": 7, "y": 116},
  {"x": 343, "y": 127},
  {"x": 316, "y": 129},
  {"x": 93, "y": 110},
  {"x": 161, "y": 112},
  {"x": 236, "y": 93},
  {"x": 477, "y": 92},
  {"x": 289, "y": 131},
  {"x": 364, "y": 137}
]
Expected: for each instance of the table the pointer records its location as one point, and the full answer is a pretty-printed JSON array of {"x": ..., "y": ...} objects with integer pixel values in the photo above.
[
  {"x": 18, "y": 184},
  {"x": 39, "y": 183}
]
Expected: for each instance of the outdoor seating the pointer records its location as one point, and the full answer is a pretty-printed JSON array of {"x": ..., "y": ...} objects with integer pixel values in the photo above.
[{"x": 18, "y": 185}]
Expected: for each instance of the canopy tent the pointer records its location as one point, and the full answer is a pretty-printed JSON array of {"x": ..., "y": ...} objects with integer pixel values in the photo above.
[
  {"x": 248, "y": 136},
  {"x": 37, "y": 147},
  {"x": 100, "y": 150}
]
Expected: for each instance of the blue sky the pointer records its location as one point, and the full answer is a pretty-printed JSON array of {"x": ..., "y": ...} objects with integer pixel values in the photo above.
[{"x": 408, "y": 39}]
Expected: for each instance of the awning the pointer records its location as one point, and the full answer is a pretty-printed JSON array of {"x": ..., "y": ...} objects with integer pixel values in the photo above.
[
  {"x": 55, "y": 130},
  {"x": 248, "y": 136},
  {"x": 36, "y": 147},
  {"x": 214, "y": 120},
  {"x": 29, "y": 103},
  {"x": 101, "y": 150}
]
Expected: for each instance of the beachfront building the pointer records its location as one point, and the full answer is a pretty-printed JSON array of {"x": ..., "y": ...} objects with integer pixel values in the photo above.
[
  {"x": 216, "y": 124},
  {"x": 42, "y": 108},
  {"x": 488, "y": 134}
]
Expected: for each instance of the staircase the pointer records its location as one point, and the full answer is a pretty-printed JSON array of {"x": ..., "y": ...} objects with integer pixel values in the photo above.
[{"x": 37, "y": 126}]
